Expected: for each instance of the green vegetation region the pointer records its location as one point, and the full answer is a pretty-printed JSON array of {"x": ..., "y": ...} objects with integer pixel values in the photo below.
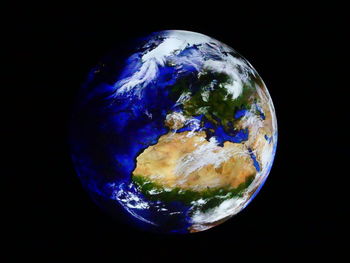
[
  {"x": 212, "y": 196},
  {"x": 209, "y": 96}
]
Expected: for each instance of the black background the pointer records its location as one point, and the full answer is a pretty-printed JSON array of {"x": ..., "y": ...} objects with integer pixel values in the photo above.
[{"x": 299, "y": 51}]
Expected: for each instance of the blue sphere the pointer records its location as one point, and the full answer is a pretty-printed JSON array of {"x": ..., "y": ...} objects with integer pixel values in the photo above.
[{"x": 175, "y": 134}]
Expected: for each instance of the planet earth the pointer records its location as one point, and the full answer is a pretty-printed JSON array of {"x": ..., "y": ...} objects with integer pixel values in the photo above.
[{"x": 174, "y": 133}]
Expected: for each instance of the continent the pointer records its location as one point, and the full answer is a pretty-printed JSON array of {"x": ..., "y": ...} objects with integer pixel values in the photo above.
[
  {"x": 261, "y": 124},
  {"x": 211, "y": 95},
  {"x": 189, "y": 162}
]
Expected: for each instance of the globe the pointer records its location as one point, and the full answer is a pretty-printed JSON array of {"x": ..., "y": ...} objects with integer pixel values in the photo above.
[{"x": 174, "y": 133}]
